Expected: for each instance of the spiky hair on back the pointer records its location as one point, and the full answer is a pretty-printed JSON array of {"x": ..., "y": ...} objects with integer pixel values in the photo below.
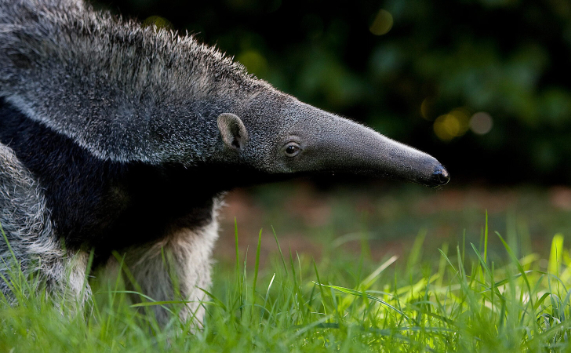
[{"x": 108, "y": 82}]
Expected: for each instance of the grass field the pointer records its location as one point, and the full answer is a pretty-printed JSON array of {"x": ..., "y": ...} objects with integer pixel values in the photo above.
[{"x": 497, "y": 285}]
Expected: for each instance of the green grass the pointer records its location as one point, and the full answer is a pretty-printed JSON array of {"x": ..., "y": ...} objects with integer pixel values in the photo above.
[{"x": 457, "y": 300}]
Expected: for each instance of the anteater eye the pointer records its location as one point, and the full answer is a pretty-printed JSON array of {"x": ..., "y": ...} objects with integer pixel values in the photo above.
[{"x": 292, "y": 150}]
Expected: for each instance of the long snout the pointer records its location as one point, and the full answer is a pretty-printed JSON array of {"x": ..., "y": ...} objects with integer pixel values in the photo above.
[
  {"x": 381, "y": 154},
  {"x": 342, "y": 145}
]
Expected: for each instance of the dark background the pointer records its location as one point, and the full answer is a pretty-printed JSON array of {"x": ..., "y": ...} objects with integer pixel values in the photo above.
[{"x": 506, "y": 58}]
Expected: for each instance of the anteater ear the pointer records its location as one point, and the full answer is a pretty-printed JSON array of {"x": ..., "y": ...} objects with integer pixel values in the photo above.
[{"x": 233, "y": 131}]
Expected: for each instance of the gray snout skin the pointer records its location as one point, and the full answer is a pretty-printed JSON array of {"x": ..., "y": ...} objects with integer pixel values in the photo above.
[
  {"x": 331, "y": 143},
  {"x": 420, "y": 168},
  {"x": 440, "y": 176}
]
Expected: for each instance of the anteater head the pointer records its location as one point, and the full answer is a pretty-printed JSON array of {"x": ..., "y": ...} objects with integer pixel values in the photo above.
[{"x": 277, "y": 134}]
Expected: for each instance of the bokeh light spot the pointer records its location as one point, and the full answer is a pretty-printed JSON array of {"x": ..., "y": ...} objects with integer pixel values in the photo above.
[
  {"x": 382, "y": 23},
  {"x": 425, "y": 108},
  {"x": 481, "y": 123},
  {"x": 451, "y": 125},
  {"x": 254, "y": 62},
  {"x": 158, "y": 21}
]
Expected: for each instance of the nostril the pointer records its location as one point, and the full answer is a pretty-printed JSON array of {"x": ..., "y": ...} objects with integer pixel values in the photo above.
[{"x": 441, "y": 175}]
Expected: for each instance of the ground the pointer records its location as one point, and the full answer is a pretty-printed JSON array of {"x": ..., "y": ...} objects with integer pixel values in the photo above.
[
  {"x": 362, "y": 268},
  {"x": 390, "y": 215}
]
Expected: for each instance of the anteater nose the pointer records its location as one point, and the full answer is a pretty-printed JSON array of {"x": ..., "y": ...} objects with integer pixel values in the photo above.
[{"x": 440, "y": 176}]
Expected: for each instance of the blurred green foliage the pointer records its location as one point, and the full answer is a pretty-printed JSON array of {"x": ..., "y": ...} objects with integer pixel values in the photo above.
[{"x": 398, "y": 65}]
